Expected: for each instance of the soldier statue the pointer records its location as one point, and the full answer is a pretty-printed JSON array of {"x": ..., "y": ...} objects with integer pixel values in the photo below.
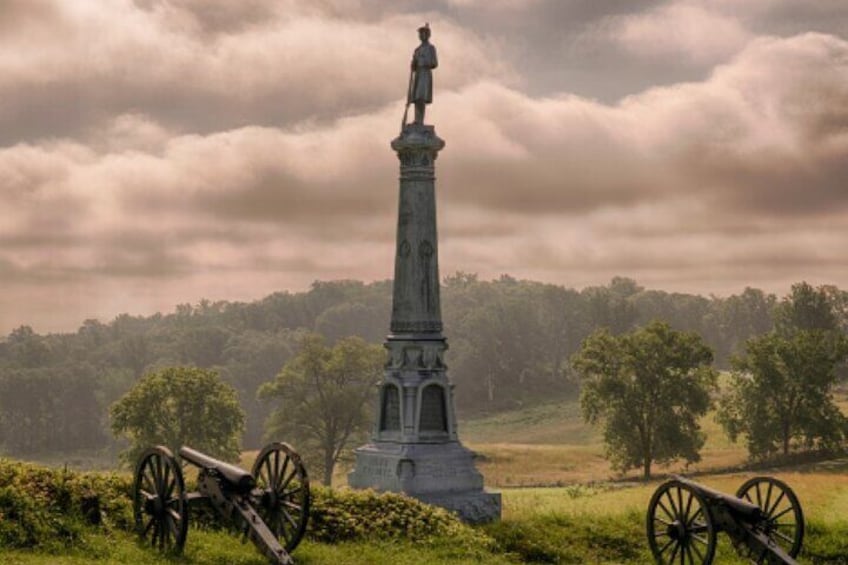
[{"x": 421, "y": 77}]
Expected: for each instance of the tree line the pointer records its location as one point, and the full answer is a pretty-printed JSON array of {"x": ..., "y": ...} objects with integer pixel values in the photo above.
[{"x": 511, "y": 342}]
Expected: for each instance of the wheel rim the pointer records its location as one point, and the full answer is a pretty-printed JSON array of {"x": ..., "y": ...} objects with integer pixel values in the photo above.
[
  {"x": 783, "y": 515},
  {"x": 159, "y": 504},
  {"x": 680, "y": 528},
  {"x": 284, "y": 504}
]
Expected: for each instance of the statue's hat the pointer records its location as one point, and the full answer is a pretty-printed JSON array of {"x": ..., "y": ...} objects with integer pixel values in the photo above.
[{"x": 425, "y": 27}]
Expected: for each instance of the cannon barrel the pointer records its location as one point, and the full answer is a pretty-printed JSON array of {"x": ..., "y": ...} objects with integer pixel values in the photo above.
[
  {"x": 236, "y": 478},
  {"x": 746, "y": 510}
]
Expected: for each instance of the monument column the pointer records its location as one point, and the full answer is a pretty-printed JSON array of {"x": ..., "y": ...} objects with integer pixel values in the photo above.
[{"x": 414, "y": 447}]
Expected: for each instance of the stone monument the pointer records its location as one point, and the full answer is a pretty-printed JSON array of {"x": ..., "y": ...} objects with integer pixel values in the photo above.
[{"x": 414, "y": 447}]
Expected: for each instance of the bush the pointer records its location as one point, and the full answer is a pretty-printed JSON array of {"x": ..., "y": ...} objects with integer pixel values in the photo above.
[
  {"x": 348, "y": 515},
  {"x": 42, "y": 507}
]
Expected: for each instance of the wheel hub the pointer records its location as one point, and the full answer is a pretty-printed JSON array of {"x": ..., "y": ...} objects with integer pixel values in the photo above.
[{"x": 677, "y": 531}]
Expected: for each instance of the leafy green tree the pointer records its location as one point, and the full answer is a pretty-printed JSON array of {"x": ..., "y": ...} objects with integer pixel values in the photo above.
[
  {"x": 322, "y": 397},
  {"x": 180, "y": 406},
  {"x": 806, "y": 308},
  {"x": 648, "y": 387},
  {"x": 781, "y": 392}
]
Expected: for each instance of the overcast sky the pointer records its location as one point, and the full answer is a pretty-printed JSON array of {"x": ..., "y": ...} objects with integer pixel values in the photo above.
[{"x": 154, "y": 152}]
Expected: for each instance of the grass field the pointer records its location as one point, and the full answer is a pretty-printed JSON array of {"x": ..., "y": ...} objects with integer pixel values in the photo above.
[
  {"x": 564, "y": 450},
  {"x": 574, "y": 524},
  {"x": 561, "y": 504}
]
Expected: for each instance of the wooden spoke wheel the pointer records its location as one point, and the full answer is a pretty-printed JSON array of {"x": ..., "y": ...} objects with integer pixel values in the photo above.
[
  {"x": 680, "y": 527},
  {"x": 284, "y": 502},
  {"x": 159, "y": 501},
  {"x": 781, "y": 509}
]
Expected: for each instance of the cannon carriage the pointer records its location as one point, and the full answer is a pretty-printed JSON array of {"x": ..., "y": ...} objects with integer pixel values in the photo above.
[
  {"x": 269, "y": 505},
  {"x": 764, "y": 521}
]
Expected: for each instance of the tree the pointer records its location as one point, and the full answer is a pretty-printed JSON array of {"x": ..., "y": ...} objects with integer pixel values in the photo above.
[
  {"x": 613, "y": 306},
  {"x": 323, "y": 396},
  {"x": 180, "y": 406},
  {"x": 649, "y": 387},
  {"x": 735, "y": 319},
  {"x": 781, "y": 392},
  {"x": 49, "y": 410},
  {"x": 27, "y": 348},
  {"x": 806, "y": 308}
]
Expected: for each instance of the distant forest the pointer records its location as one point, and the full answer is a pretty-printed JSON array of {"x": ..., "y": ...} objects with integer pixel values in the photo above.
[{"x": 510, "y": 342}]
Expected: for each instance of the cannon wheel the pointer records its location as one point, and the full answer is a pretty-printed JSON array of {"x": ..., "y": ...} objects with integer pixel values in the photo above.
[
  {"x": 680, "y": 526},
  {"x": 284, "y": 505},
  {"x": 785, "y": 519},
  {"x": 159, "y": 501}
]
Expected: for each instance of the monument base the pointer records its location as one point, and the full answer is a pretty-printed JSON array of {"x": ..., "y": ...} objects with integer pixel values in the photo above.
[
  {"x": 475, "y": 507},
  {"x": 441, "y": 474}
]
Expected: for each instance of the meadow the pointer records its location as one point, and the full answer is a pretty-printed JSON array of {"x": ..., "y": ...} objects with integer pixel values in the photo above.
[{"x": 561, "y": 504}]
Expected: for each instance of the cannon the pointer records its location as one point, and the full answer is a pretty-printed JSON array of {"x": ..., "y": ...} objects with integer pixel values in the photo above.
[
  {"x": 269, "y": 506},
  {"x": 764, "y": 521}
]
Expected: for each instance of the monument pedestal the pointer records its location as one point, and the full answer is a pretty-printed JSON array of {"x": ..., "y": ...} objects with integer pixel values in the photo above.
[
  {"x": 415, "y": 448},
  {"x": 441, "y": 474}
]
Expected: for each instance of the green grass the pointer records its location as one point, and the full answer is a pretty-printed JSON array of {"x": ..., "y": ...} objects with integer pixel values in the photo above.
[
  {"x": 590, "y": 514},
  {"x": 555, "y": 423},
  {"x": 564, "y": 450},
  {"x": 210, "y": 548},
  {"x": 575, "y": 524}
]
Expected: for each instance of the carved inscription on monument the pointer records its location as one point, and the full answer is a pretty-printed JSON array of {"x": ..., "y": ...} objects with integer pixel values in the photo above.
[{"x": 379, "y": 468}]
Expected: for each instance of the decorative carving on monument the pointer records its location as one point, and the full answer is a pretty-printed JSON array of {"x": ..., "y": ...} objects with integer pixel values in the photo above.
[
  {"x": 430, "y": 357},
  {"x": 425, "y": 249},
  {"x": 395, "y": 360},
  {"x": 406, "y": 469},
  {"x": 404, "y": 249},
  {"x": 423, "y": 159},
  {"x": 412, "y": 358}
]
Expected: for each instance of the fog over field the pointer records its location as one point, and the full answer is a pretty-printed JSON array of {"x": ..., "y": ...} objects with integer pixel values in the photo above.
[{"x": 154, "y": 152}]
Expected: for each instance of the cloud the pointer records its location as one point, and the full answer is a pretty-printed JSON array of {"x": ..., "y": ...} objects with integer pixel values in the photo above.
[
  {"x": 688, "y": 30},
  {"x": 228, "y": 150},
  {"x": 174, "y": 61},
  {"x": 769, "y": 122}
]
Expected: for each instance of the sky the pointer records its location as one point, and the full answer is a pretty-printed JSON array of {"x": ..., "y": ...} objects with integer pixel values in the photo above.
[{"x": 156, "y": 152}]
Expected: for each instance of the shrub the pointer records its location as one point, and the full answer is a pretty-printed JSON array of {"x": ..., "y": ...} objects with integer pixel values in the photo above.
[
  {"x": 41, "y": 506},
  {"x": 348, "y": 515}
]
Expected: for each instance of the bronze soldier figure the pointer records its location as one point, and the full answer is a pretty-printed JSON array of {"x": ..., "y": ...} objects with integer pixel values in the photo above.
[{"x": 423, "y": 62}]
